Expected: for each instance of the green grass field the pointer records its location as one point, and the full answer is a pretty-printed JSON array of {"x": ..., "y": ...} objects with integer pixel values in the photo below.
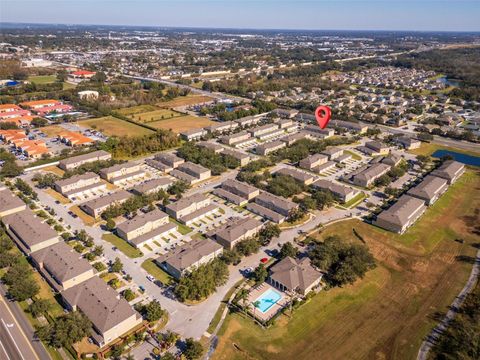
[
  {"x": 122, "y": 245},
  {"x": 354, "y": 156},
  {"x": 156, "y": 115},
  {"x": 42, "y": 79},
  {"x": 149, "y": 266},
  {"x": 356, "y": 199},
  {"x": 136, "y": 109},
  {"x": 430, "y": 148},
  {"x": 386, "y": 314},
  {"x": 182, "y": 229},
  {"x": 112, "y": 126}
]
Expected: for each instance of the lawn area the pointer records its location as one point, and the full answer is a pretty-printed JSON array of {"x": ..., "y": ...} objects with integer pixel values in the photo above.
[
  {"x": 57, "y": 196},
  {"x": 149, "y": 266},
  {"x": 111, "y": 126},
  {"x": 122, "y": 245},
  {"x": 182, "y": 123},
  {"x": 182, "y": 229},
  {"x": 136, "y": 110},
  {"x": 54, "y": 169},
  {"x": 184, "y": 101},
  {"x": 356, "y": 199},
  {"x": 52, "y": 130},
  {"x": 156, "y": 115},
  {"x": 386, "y": 314},
  {"x": 430, "y": 148},
  {"x": 42, "y": 79},
  {"x": 87, "y": 219},
  {"x": 354, "y": 156}
]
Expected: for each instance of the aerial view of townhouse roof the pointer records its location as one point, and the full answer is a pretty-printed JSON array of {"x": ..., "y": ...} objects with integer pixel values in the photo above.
[{"x": 219, "y": 180}]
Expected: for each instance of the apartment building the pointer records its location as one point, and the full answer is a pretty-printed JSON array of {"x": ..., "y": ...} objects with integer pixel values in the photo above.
[
  {"x": 249, "y": 120},
  {"x": 234, "y": 231},
  {"x": 430, "y": 189},
  {"x": 188, "y": 256},
  {"x": 407, "y": 142},
  {"x": 152, "y": 186},
  {"x": 374, "y": 148},
  {"x": 169, "y": 159},
  {"x": 29, "y": 232},
  {"x": 10, "y": 203},
  {"x": 272, "y": 207},
  {"x": 333, "y": 153},
  {"x": 235, "y": 138},
  {"x": 96, "y": 207},
  {"x": 222, "y": 127},
  {"x": 194, "y": 134},
  {"x": 216, "y": 148},
  {"x": 146, "y": 228},
  {"x": 62, "y": 266},
  {"x": 191, "y": 173},
  {"x": 313, "y": 161},
  {"x": 119, "y": 173},
  {"x": 267, "y": 148},
  {"x": 367, "y": 177},
  {"x": 73, "y": 139},
  {"x": 300, "y": 176},
  {"x": 76, "y": 161},
  {"x": 242, "y": 158},
  {"x": 264, "y": 129},
  {"x": 342, "y": 193},
  {"x": 80, "y": 185},
  {"x": 348, "y": 125},
  {"x": 450, "y": 170},
  {"x": 316, "y": 132},
  {"x": 236, "y": 192},
  {"x": 190, "y": 208},
  {"x": 110, "y": 314},
  {"x": 401, "y": 215},
  {"x": 293, "y": 138},
  {"x": 285, "y": 113}
]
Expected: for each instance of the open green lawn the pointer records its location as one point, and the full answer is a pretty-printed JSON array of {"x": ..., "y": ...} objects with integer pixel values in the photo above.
[
  {"x": 386, "y": 314},
  {"x": 136, "y": 109},
  {"x": 155, "y": 115},
  {"x": 42, "y": 79},
  {"x": 182, "y": 229},
  {"x": 156, "y": 272},
  {"x": 354, "y": 156},
  {"x": 122, "y": 245},
  {"x": 356, "y": 199}
]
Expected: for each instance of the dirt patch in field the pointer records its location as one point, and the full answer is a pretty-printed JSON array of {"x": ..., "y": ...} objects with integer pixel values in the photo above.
[{"x": 184, "y": 101}]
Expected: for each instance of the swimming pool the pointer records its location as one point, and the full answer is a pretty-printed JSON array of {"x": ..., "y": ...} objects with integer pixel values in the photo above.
[{"x": 268, "y": 299}]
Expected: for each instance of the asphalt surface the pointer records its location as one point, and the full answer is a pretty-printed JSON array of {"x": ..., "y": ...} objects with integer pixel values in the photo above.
[{"x": 17, "y": 339}]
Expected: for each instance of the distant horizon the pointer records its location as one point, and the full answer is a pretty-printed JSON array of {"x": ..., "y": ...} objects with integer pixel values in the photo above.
[
  {"x": 306, "y": 15},
  {"x": 233, "y": 28}
]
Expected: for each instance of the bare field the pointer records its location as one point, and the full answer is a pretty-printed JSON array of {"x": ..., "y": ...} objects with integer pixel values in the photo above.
[
  {"x": 184, "y": 101},
  {"x": 112, "y": 126},
  {"x": 52, "y": 130},
  {"x": 386, "y": 314},
  {"x": 182, "y": 123}
]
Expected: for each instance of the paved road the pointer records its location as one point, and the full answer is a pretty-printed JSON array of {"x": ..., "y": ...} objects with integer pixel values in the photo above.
[
  {"x": 452, "y": 312},
  {"x": 17, "y": 340}
]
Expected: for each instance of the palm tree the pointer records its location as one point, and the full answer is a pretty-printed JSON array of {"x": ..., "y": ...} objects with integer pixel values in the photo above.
[
  {"x": 255, "y": 304},
  {"x": 243, "y": 296}
]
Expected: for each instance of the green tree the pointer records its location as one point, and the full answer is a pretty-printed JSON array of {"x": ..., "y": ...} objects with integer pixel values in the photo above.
[
  {"x": 288, "y": 249},
  {"x": 260, "y": 274},
  {"x": 268, "y": 232},
  {"x": 193, "y": 349},
  {"x": 66, "y": 330},
  {"x": 116, "y": 266},
  {"x": 110, "y": 225},
  {"x": 154, "y": 311},
  {"x": 39, "y": 307}
]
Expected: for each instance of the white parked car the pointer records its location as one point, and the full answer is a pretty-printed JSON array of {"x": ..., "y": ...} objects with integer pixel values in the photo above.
[{"x": 151, "y": 278}]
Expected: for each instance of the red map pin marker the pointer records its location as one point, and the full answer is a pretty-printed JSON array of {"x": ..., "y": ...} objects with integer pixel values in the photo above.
[{"x": 323, "y": 115}]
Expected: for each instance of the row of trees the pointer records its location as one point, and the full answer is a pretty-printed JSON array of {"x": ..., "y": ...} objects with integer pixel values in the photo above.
[{"x": 217, "y": 163}]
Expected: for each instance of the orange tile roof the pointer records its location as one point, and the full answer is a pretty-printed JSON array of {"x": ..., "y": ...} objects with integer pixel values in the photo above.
[
  {"x": 39, "y": 102},
  {"x": 9, "y": 106}
]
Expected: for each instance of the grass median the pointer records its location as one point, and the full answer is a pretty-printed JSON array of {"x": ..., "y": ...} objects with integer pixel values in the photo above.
[
  {"x": 122, "y": 245},
  {"x": 160, "y": 275}
]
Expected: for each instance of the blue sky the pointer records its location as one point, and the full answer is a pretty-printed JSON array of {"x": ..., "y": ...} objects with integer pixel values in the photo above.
[{"x": 423, "y": 15}]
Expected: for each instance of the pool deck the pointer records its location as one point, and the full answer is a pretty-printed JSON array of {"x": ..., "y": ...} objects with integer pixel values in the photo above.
[{"x": 256, "y": 292}]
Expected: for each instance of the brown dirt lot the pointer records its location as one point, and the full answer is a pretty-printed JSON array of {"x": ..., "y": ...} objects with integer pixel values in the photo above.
[
  {"x": 182, "y": 123},
  {"x": 386, "y": 314},
  {"x": 184, "y": 101},
  {"x": 112, "y": 126}
]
